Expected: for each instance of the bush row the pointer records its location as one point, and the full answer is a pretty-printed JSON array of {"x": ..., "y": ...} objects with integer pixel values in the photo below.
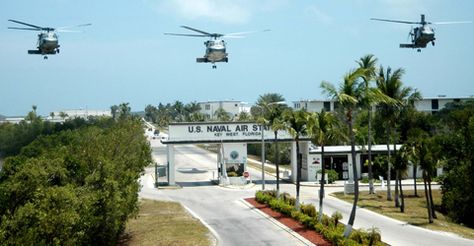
[{"x": 329, "y": 227}]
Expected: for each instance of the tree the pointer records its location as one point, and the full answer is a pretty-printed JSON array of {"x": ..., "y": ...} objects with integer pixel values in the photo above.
[
  {"x": 244, "y": 116},
  {"x": 125, "y": 111},
  {"x": 323, "y": 127},
  {"x": 268, "y": 111},
  {"x": 113, "y": 110},
  {"x": 368, "y": 63},
  {"x": 296, "y": 124},
  {"x": 178, "y": 111},
  {"x": 347, "y": 95},
  {"x": 455, "y": 132},
  {"x": 222, "y": 115},
  {"x": 426, "y": 160},
  {"x": 391, "y": 85},
  {"x": 192, "y": 109},
  {"x": 151, "y": 113},
  {"x": 404, "y": 156}
]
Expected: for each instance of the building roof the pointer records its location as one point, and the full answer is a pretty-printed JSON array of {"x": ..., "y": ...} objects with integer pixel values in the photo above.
[{"x": 346, "y": 149}]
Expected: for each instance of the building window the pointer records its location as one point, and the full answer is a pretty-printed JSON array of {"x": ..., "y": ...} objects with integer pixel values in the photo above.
[
  {"x": 327, "y": 106},
  {"x": 236, "y": 105},
  {"x": 434, "y": 104},
  {"x": 208, "y": 107},
  {"x": 457, "y": 100}
]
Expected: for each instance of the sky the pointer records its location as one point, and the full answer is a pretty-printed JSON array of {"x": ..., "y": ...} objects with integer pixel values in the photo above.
[{"x": 124, "y": 55}]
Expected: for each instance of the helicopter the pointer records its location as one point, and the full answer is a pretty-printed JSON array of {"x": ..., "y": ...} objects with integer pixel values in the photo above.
[
  {"x": 215, "y": 46},
  {"x": 423, "y": 34},
  {"x": 48, "y": 43}
]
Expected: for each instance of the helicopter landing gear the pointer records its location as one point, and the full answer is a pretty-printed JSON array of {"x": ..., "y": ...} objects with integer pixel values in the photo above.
[
  {"x": 433, "y": 43},
  {"x": 419, "y": 50},
  {"x": 45, "y": 57},
  {"x": 214, "y": 66}
]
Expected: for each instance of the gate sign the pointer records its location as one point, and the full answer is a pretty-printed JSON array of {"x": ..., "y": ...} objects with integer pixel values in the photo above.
[{"x": 221, "y": 132}]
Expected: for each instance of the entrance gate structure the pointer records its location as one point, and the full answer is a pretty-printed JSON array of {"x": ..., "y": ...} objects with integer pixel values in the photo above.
[{"x": 227, "y": 133}]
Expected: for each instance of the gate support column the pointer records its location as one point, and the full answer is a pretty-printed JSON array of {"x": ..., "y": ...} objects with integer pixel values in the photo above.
[{"x": 171, "y": 171}]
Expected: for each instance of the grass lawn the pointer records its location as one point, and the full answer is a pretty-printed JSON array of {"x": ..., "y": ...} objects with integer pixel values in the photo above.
[
  {"x": 165, "y": 223},
  {"x": 415, "y": 210}
]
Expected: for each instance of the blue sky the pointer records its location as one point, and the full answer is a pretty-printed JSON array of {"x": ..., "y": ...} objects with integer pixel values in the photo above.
[{"x": 124, "y": 56}]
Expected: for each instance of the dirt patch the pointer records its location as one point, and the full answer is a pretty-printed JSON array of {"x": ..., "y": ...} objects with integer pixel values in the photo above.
[{"x": 291, "y": 223}]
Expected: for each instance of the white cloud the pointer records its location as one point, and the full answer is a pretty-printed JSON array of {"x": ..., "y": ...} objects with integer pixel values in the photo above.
[{"x": 229, "y": 11}]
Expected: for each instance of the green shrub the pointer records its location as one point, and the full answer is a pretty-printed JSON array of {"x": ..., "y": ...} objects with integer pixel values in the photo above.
[
  {"x": 308, "y": 209},
  {"x": 330, "y": 227},
  {"x": 336, "y": 216},
  {"x": 288, "y": 198},
  {"x": 332, "y": 175},
  {"x": 232, "y": 174}
]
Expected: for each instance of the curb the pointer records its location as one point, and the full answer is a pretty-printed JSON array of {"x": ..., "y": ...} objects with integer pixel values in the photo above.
[
  {"x": 277, "y": 223},
  {"x": 213, "y": 232}
]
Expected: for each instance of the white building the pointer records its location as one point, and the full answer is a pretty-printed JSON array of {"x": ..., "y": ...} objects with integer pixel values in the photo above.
[
  {"x": 232, "y": 107},
  {"x": 429, "y": 104}
]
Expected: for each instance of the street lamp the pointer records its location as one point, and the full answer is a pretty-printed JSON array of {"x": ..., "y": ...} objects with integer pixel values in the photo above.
[{"x": 262, "y": 128}]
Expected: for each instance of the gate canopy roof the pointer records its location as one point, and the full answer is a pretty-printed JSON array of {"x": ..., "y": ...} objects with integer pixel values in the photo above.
[{"x": 223, "y": 132}]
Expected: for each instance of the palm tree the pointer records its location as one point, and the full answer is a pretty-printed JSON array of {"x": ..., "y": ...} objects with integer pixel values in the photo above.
[
  {"x": 426, "y": 159},
  {"x": 368, "y": 63},
  {"x": 404, "y": 156},
  {"x": 391, "y": 85},
  {"x": 222, "y": 115},
  {"x": 113, "y": 111},
  {"x": 269, "y": 110},
  {"x": 348, "y": 96},
  {"x": 323, "y": 128},
  {"x": 296, "y": 124}
]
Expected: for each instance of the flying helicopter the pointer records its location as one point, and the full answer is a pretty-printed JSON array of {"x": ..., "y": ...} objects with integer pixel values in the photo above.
[
  {"x": 48, "y": 43},
  {"x": 423, "y": 34},
  {"x": 215, "y": 46}
]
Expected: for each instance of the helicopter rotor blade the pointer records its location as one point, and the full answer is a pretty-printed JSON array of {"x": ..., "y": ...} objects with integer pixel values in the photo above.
[
  {"x": 69, "y": 27},
  {"x": 25, "y": 28},
  {"x": 199, "y": 31},
  {"x": 233, "y": 36},
  {"x": 397, "y": 21},
  {"x": 244, "y": 33},
  {"x": 186, "y": 35},
  {"x": 26, "y": 24},
  {"x": 66, "y": 30},
  {"x": 451, "y": 22}
]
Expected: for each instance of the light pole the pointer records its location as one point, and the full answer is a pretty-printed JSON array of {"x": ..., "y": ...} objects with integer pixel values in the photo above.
[{"x": 262, "y": 126}]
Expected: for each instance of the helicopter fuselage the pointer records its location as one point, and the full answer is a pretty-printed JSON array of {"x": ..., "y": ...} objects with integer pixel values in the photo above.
[
  {"x": 422, "y": 36},
  {"x": 215, "y": 51},
  {"x": 48, "y": 43}
]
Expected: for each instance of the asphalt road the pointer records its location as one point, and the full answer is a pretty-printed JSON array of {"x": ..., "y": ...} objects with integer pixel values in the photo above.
[
  {"x": 235, "y": 224},
  {"x": 220, "y": 208}
]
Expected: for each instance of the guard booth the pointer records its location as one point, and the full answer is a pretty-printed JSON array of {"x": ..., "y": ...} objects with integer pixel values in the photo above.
[
  {"x": 232, "y": 138},
  {"x": 232, "y": 158}
]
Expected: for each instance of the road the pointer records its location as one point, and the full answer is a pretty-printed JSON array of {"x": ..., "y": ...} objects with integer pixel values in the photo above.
[
  {"x": 220, "y": 208},
  {"x": 235, "y": 224}
]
